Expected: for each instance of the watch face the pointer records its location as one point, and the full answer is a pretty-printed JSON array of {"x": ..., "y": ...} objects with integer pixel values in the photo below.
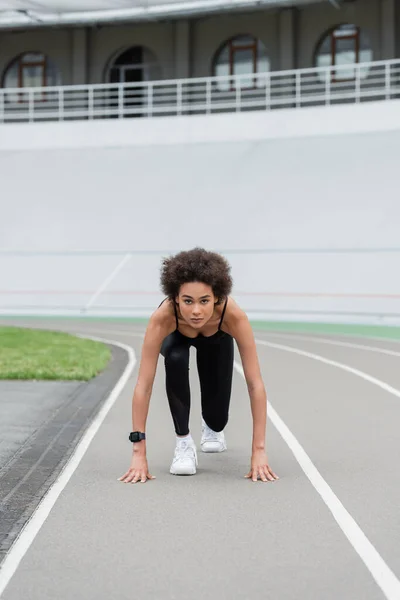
[{"x": 136, "y": 436}]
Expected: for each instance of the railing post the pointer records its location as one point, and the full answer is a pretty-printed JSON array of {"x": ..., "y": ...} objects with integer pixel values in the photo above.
[
  {"x": 30, "y": 105},
  {"x": 150, "y": 100},
  {"x": 238, "y": 94},
  {"x": 268, "y": 92},
  {"x": 208, "y": 96},
  {"x": 90, "y": 115},
  {"x": 60, "y": 104},
  {"x": 388, "y": 92},
  {"x": 328, "y": 77},
  {"x": 179, "y": 98},
  {"x": 358, "y": 83},
  {"x": 120, "y": 101},
  {"x": 298, "y": 89}
]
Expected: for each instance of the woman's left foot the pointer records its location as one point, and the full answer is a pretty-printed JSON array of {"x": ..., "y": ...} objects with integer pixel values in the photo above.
[{"x": 212, "y": 441}]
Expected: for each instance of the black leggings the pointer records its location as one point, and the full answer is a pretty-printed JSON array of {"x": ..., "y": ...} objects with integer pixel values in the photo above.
[{"x": 215, "y": 368}]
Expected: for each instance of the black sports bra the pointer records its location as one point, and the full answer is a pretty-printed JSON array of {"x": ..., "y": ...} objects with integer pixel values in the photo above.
[{"x": 216, "y": 334}]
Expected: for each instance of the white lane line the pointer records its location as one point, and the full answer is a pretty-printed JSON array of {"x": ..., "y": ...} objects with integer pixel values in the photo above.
[
  {"x": 380, "y": 571},
  {"x": 318, "y": 340},
  {"x": 31, "y": 529},
  {"x": 108, "y": 280},
  {"x": 338, "y": 365}
]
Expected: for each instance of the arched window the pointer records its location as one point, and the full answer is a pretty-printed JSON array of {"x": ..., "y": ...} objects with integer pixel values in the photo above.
[
  {"x": 135, "y": 65},
  {"x": 344, "y": 45},
  {"x": 241, "y": 55},
  {"x": 32, "y": 69}
]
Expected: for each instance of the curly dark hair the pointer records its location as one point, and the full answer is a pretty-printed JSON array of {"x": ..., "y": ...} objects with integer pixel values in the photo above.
[{"x": 196, "y": 265}]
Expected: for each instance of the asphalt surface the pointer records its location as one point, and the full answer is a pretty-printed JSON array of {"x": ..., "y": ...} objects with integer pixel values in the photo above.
[
  {"x": 41, "y": 423},
  {"x": 24, "y": 407},
  {"x": 217, "y": 534}
]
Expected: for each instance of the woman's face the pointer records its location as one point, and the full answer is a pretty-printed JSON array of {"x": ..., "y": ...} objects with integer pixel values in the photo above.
[{"x": 196, "y": 303}]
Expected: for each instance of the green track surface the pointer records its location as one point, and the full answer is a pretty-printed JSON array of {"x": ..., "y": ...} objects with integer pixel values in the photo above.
[{"x": 372, "y": 331}]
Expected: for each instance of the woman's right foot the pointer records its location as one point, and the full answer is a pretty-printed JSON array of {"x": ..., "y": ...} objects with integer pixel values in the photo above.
[{"x": 185, "y": 458}]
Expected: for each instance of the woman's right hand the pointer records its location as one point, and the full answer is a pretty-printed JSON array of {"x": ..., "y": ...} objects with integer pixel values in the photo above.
[{"x": 137, "y": 471}]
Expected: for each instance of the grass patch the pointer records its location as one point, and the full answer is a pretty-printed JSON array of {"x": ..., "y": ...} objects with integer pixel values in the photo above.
[{"x": 49, "y": 355}]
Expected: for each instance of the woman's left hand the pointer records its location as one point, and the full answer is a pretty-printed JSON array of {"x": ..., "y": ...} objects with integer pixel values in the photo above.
[{"x": 259, "y": 468}]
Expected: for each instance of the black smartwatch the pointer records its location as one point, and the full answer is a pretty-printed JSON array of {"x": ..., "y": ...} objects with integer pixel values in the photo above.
[{"x": 136, "y": 436}]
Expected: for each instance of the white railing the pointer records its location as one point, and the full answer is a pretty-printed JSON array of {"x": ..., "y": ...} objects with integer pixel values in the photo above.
[{"x": 262, "y": 91}]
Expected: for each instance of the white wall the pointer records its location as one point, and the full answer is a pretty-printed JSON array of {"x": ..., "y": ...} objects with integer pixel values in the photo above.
[{"x": 288, "y": 185}]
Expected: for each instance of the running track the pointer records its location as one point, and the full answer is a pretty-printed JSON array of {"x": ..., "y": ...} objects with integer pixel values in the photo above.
[{"x": 329, "y": 529}]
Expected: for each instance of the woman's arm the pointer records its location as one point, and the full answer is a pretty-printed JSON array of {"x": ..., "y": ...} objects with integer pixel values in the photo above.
[
  {"x": 155, "y": 334},
  {"x": 242, "y": 331},
  {"x": 243, "y": 334},
  {"x": 158, "y": 328}
]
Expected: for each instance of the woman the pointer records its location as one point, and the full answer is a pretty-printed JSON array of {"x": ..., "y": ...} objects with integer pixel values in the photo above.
[{"x": 198, "y": 311}]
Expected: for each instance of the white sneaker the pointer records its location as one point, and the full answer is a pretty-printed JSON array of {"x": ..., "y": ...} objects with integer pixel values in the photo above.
[
  {"x": 185, "y": 459},
  {"x": 212, "y": 441}
]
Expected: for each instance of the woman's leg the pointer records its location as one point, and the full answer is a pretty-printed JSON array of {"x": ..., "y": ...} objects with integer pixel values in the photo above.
[
  {"x": 175, "y": 350},
  {"x": 215, "y": 367}
]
